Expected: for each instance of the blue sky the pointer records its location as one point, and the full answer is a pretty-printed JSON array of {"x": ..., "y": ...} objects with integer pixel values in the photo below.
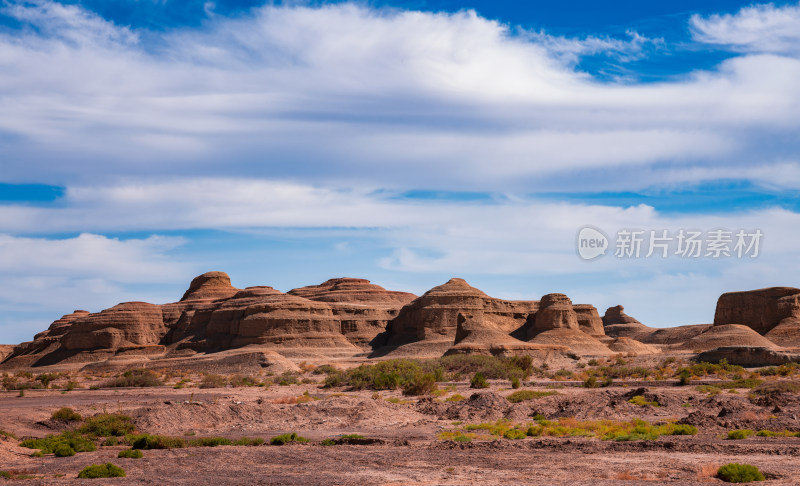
[{"x": 145, "y": 142}]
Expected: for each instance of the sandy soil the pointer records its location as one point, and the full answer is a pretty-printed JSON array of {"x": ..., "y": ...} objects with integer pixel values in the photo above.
[{"x": 409, "y": 452}]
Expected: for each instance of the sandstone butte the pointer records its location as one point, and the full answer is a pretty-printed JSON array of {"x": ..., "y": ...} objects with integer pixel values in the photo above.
[{"x": 218, "y": 326}]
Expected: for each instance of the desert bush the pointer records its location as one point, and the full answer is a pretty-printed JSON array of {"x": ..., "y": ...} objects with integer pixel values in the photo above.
[
  {"x": 523, "y": 395},
  {"x": 492, "y": 367},
  {"x": 239, "y": 381},
  {"x": 66, "y": 414},
  {"x": 213, "y": 381},
  {"x": 325, "y": 369},
  {"x": 63, "y": 450},
  {"x": 515, "y": 434},
  {"x": 130, "y": 454},
  {"x": 287, "y": 438},
  {"x": 289, "y": 378},
  {"x": 5, "y": 475},
  {"x": 210, "y": 442},
  {"x": 590, "y": 382},
  {"x": 46, "y": 378},
  {"x": 740, "y": 434},
  {"x": 565, "y": 374},
  {"x": 101, "y": 471},
  {"x": 147, "y": 441},
  {"x": 420, "y": 384},
  {"x": 454, "y": 398},
  {"x": 782, "y": 370},
  {"x": 49, "y": 444},
  {"x": 739, "y": 473},
  {"x": 108, "y": 424},
  {"x": 135, "y": 378},
  {"x": 10, "y": 435},
  {"x": 328, "y": 442},
  {"x": 515, "y": 384},
  {"x": 478, "y": 381}
]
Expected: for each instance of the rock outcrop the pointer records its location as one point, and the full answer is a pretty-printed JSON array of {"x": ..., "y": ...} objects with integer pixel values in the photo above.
[
  {"x": 210, "y": 286},
  {"x": 616, "y": 323},
  {"x": 631, "y": 346},
  {"x": 433, "y": 317},
  {"x": 555, "y": 312},
  {"x": 761, "y": 310},
  {"x": 474, "y": 336},
  {"x": 726, "y": 335},
  {"x": 589, "y": 320},
  {"x": 577, "y": 341},
  {"x": 748, "y": 356},
  {"x": 363, "y": 309}
]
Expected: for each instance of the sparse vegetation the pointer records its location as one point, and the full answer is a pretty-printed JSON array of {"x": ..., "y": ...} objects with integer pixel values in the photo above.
[
  {"x": 478, "y": 381},
  {"x": 66, "y": 414},
  {"x": 286, "y": 439},
  {"x": 454, "y": 398},
  {"x": 101, "y": 471},
  {"x": 641, "y": 401},
  {"x": 523, "y": 395},
  {"x": 135, "y": 378},
  {"x": 740, "y": 434},
  {"x": 49, "y": 444},
  {"x": 420, "y": 384},
  {"x": 739, "y": 473},
  {"x": 130, "y": 454},
  {"x": 213, "y": 381},
  {"x": 108, "y": 424}
]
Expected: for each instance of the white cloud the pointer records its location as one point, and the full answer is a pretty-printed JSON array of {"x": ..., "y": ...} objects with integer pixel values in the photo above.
[
  {"x": 384, "y": 98},
  {"x": 757, "y": 28}
]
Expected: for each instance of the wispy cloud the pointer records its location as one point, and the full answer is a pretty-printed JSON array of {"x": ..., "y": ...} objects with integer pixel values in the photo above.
[{"x": 759, "y": 28}]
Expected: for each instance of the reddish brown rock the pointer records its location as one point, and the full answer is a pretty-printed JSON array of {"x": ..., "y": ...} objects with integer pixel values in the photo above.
[
  {"x": 761, "y": 310},
  {"x": 631, "y": 346},
  {"x": 786, "y": 333},
  {"x": 124, "y": 325},
  {"x": 474, "y": 336},
  {"x": 363, "y": 309},
  {"x": 434, "y": 315},
  {"x": 555, "y": 312},
  {"x": 589, "y": 320},
  {"x": 616, "y": 323},
  {"x": 727, "y": 335},
  {"x": 210, "y": 286},
  {"x": 577, "y": 341}
]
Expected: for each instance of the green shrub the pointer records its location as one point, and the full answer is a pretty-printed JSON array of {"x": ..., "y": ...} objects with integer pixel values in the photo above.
[
  {"x": 515, "y": 384},
  {"x": 108, "y": 424},
  {"x": 130, "y": 454},
  {"x": 328, "y": 442},
  {"x": 135, "y": 378},
  {"x": 325, "y": 369},
  {"x": 684, "y": 377},
  {"x": 420, "y": 384},
  {"x": 590, "y": 382},
  {"x": 49, "y": 444},
  {"x": 287, "y": 438},
  {"x": 777, "y": 388},
  {"x": 740, "y": 434},
  {"x": 289, "y": 378},
  {"x": 66, "y": 414},
  {"x": 523, "y": 395},
  {"x": 147, "y": 441},
  {"x": 454, "y": 398},
  {"x": 210, "y": 442},
  {"x": 5, "y": 475},
  {"x": 478, "y": 381},
  {"x": 515, "y": 434},
  {"x": 101, "y": 471},
  {"x": 352, "y": 436},
  {"x": 63, "y": 450},
  {"x": 111, "y": 442},
  {"x": 739, "y": 473}
]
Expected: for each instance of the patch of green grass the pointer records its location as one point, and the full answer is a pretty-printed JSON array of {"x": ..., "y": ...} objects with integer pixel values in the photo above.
[
  {"x": 454, "y": 398},
  {"x": 209, "y": 442},
  {"x": 101, "y": 471},
  {"x": 740, "y": 434},
  {"x": 328, "y": 442},
  {"x": 286, "y": 439},
  {"x": 10, "y": 435},
  {"x": 66, "y": 414},
  {"x": 249, "y": 442},
  {"x": 5, "y": 475},
  {"x": 49, "y": 444},
  {"x": 352, "y": 436},
  {"x": 108, "y": 424},
  {"x": 130, "y": 454},
  {"x": 774, "y": 433},
  {"x": 739, "y": 473},
  {"x": 641, "y": 401},
  {"x": 523, "y": 395}
]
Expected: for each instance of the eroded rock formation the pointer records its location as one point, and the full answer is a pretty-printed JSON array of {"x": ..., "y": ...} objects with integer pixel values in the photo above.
[{"x": 761, "y": 310}]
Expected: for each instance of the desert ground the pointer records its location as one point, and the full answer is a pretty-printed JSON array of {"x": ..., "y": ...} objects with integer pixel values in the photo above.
[{"x": 450, "y": 434}]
